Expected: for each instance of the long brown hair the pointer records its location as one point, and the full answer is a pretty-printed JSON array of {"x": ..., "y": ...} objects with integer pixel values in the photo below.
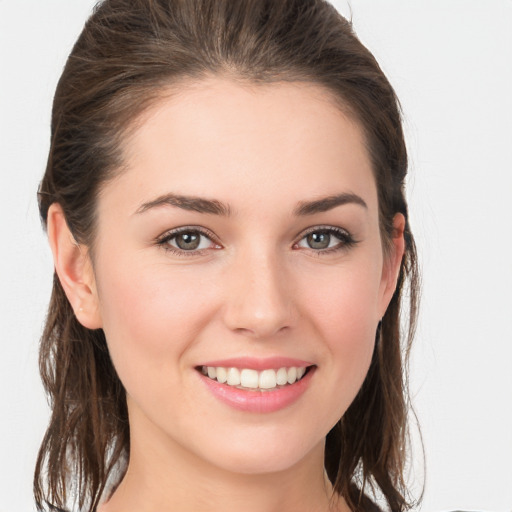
[{"x": 128, "y": 52}]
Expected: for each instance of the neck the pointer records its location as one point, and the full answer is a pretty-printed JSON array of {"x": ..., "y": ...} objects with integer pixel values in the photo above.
[{"x": 163, "y": 476}]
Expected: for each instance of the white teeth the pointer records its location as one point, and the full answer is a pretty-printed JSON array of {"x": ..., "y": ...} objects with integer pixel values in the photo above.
[
  {"x": 292, "y": 375},
  {"x": 233, "y": 377},
  {"x": 268, "y": 379},
  {"x": 282, "y": 376},
  {"x": 249, "y": 378},
  {"x": 222, "y": 374},
  {"x": 252, "y": 379}
]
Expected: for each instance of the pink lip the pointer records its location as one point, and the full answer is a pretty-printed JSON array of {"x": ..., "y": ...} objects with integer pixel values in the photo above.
[
  {"x": 259, "y": 364},
  {"x": 258, "y": 401}
]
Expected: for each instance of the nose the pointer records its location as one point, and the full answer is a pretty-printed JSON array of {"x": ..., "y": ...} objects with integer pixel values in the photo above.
[{"x": 259, "y": 297}]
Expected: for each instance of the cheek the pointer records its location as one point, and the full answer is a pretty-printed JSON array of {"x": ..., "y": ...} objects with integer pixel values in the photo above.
[
  {"x": 149, "y": 319},
  {"x": 344, "y": 308},
  {"x": 345, "y": 301}
]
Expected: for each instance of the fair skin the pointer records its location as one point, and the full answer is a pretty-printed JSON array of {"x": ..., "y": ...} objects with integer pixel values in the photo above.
[{"x": 260, "y": 279}]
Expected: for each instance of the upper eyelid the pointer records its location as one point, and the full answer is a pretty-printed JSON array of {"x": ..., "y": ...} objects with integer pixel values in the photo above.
[
  {"x": 210, "y": 234},
  {"x": 183, "y": 229},
  {"x": 332, "y": 229}
]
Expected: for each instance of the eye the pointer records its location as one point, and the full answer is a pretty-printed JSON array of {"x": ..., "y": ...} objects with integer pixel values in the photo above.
[
  {"x": 326, "y": 239},
  {"x": 187, "y": 240}
]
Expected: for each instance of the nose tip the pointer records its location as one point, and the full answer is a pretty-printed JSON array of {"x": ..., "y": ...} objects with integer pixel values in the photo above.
[
  {"x": 258, "y": 323},
  {"x": 259, "y": 303}
]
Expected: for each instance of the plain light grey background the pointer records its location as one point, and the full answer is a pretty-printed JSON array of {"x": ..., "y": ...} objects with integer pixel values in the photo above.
[{"x": 450, "y": 62}]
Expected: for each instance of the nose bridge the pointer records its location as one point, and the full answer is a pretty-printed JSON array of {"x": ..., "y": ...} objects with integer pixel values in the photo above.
[{"x": 259, "y": 301}]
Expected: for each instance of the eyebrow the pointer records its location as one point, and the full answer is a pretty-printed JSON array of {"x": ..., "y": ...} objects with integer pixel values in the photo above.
[
  {"x": 192, "y": 203},
  {"x": 325, "y": 204},
  {"x": 214, "y": 207}
]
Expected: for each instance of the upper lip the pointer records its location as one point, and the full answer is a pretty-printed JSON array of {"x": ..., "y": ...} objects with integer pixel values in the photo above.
[{"x": 258, "y": 363}]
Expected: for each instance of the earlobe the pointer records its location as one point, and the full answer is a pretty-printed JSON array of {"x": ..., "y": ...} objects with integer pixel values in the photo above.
[
  {"x": 393, "y": 261},
  {"x": 74, "y": 269}
]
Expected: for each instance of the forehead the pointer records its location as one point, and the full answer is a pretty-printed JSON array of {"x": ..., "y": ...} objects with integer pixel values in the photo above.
[{"x": 234, "y": 142}]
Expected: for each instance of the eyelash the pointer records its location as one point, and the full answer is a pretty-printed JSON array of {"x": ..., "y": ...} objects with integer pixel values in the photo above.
[
  {"x": 163, "y": 241},
  {"x": 345, "y": 238}
]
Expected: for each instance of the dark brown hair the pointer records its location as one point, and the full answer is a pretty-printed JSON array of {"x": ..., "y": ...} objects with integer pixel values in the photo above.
[{"x": 128, "y": 53}]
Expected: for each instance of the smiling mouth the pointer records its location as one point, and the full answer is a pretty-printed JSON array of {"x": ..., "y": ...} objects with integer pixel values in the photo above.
[{"x": 254, "y": 380}]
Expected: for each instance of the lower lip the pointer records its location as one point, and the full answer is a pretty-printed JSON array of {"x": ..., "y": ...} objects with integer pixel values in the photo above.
[{"x": 259, "y": 401}]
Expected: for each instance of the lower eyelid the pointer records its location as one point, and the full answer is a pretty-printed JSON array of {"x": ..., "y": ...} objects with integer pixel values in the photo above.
[
  {"x": 164, "y": 241},
  {"x": 346, "y": 240},
  {"x": 199, "y": 248}
]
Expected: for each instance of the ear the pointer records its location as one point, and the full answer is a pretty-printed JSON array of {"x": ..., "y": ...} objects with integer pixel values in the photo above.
[
  {"x": 74, "y": 269},
  {"x": 392, "y": 262}
]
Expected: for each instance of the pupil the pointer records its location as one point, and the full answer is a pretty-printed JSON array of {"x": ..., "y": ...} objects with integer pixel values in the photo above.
[
  {"x": 188, "y": 241},
  {"x": 319, "y": 240}
]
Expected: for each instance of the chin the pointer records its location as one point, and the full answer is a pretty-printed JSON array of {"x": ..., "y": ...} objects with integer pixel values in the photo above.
[
  {"x": 265, "y": 453},
  {"x": 253, "y": 464}
]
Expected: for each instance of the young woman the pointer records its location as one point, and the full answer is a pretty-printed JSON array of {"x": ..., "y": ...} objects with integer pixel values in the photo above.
[{"x": 224, "y": 202}]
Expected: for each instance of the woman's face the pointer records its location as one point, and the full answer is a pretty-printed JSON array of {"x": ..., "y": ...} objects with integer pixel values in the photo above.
[{"x": 242, "y": 234}]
